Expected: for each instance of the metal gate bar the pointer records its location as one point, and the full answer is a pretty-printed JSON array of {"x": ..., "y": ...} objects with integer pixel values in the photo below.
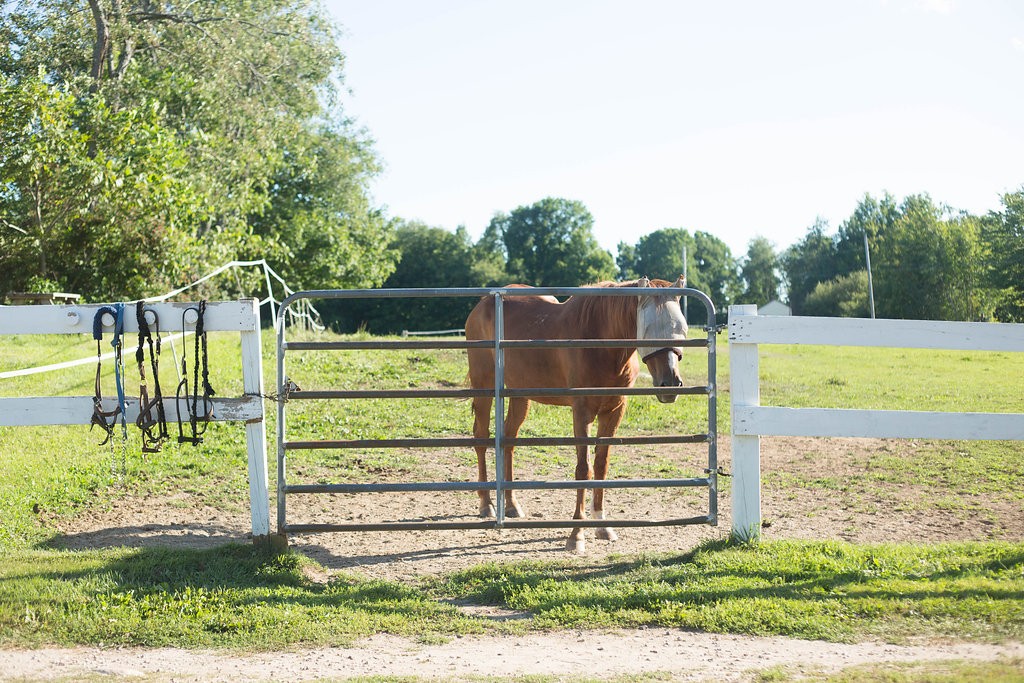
[
  {"x": 516, "y": 484},
  {"x": 498, "y": 484},
  {"x": 487, "y": 343},
  {"x": 454, "y": 442},
  {"x": 434, "y": 525},
  {"x": 470, "y": 393}
]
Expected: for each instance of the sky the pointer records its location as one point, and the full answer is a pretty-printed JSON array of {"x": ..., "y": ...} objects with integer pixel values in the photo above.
[{"x": 740, "y": 119}]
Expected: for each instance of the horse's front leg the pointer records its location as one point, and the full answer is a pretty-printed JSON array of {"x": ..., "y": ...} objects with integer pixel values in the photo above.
[
  {"x": 517, "y": 410},
  {"x": 482, "y": 430},
  {"x": 607, "y": 423},
  {"x": 577, "y": 542}
]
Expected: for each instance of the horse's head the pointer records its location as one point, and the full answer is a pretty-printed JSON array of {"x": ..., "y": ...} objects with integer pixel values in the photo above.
[{"x": 659, "y": 317}]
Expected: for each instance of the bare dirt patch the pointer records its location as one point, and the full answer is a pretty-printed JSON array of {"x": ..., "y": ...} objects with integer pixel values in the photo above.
[{"x": 813, "y": 489}]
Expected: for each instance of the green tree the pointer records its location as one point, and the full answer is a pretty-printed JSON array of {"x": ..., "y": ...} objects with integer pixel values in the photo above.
[
  {"x": 760, "y": 273},
  {"x": 62, "y": 187},
  {"x": 625, "y": 260},
  {"x": 808, "y": 263},
  {"x": 551, "y": 243},
  {"x": 845, "y": 296},
  {"x": 717, "y": 271},
  {"x": 202, "y": 118},
  {"x": 659, "y": 254},
  {"x": 319, "y": 216},
  {"x": 430, "y": 258},
  {"x": 1003, "y": 232},
  {"x": 874, "y": 217},
  {"x": 931, "y": 265},
  {"x": 489, "y": 258}
]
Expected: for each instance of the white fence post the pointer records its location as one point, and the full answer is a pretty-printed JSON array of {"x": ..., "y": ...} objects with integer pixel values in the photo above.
[
  {"x": 255, "y": 432},
  {"x": 745, "y": 390}
]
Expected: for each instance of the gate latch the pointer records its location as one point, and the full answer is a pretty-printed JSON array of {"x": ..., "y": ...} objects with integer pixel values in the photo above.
[{"x": 720, "y": 472}]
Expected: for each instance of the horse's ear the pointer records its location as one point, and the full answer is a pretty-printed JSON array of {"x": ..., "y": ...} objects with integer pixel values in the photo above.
[
  {"x": 643, "y": 282},
  {"x": 680, "y": 282}
]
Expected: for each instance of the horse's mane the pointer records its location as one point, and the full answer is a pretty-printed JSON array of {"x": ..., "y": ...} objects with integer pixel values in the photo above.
[{"x": 601, "y": 312}]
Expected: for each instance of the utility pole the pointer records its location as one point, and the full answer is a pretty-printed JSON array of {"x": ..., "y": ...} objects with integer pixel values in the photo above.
[
  {"x": 871, "y": 287},
  {"x": 685, "y": 298}
]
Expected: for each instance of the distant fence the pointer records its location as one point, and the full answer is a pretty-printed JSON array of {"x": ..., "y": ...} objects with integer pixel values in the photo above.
[
  {"x": 750, "y": 420},
  {"x": 222, "y": 316},
  {"x": 432, "y": 333}
]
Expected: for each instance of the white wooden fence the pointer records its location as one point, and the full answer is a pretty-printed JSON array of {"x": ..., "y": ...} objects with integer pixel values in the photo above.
[
  {"x": 750, "y": 420},
  {"x": 241, "y": 316}
]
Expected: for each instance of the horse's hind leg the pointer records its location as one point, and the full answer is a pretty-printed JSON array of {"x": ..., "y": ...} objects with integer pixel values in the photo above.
[
  {"x": 482, "y": 430},
  {"x": 581, "y": 419}
]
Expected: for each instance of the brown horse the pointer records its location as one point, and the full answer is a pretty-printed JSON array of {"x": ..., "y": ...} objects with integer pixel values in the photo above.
[{"x": 583, "y": 317}]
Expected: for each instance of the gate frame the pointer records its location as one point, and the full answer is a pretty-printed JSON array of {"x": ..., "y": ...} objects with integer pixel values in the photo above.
[
  {"x": 242, "y": 316},
  {"x": 287, "y": 392},
  {"x": 751, "y": 421}
]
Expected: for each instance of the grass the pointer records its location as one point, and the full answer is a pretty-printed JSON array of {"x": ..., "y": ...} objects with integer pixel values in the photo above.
[
  {"x": 236, "y": 597},
  {"x": 816, "y": 590},
  {"x": 891, "y": 379}
]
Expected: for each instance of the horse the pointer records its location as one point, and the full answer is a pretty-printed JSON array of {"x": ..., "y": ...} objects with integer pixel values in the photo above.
[{"x": 530, "y": 316}]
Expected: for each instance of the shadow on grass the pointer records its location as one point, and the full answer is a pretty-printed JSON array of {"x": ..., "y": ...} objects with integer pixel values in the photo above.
[
  {"x": 231, "y": 595},
  {"x": 166, "y": 569},
  {"x": 329, "y": 557},
  {"x": 190, "y": 536}
]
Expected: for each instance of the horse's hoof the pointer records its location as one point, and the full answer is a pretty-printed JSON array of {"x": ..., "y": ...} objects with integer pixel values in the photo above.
[
  {"x": 487, "y": 510},
  {"x": 514, "y": 511},
  {"x": 576, "y": 545},
  {"x": 606, "y": 534}
]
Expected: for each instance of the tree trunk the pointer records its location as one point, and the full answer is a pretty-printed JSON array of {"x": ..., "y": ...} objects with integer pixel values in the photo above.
[{"x": 101, "y": 46}]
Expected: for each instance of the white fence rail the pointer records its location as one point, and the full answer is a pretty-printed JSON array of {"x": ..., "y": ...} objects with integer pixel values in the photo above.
[
  {"x": 750, "y": 420},
  {"x": 241, "y": 316}
]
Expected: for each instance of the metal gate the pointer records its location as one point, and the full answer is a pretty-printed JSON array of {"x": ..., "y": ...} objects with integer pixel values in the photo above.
[{"x": 288, "y": 392}]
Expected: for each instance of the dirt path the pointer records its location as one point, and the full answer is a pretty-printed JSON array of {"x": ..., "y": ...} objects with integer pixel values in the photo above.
[{"x": 687, "y": 656}]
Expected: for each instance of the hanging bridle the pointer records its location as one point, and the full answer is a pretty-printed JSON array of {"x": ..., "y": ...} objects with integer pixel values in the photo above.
[
  {"x": 192, "y": 400},
  {"x": 107, "y": 419},
  {"x": 151, "y": 442}
]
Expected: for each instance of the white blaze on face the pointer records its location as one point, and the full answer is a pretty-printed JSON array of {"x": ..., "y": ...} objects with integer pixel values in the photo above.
[{"x": 660, "y": 317}]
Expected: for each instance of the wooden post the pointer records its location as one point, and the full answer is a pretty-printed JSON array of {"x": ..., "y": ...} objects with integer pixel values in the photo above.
[{"x": 746, "y": 450}]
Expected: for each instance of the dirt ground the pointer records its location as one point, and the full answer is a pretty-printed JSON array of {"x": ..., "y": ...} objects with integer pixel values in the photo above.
[{"x": 791, "y": 508}]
